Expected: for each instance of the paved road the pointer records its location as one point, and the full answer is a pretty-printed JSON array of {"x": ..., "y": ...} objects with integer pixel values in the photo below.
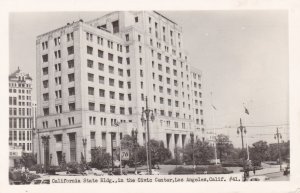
[{"x": 278, "y": 176}]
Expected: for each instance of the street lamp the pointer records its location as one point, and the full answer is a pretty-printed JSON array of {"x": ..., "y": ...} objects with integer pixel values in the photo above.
[
  {"x": 149, "y": 116},
  {"x": 84, "y": 141},
  {"x": 278, "y": 136},
  {"x": 193, "y": 151},
  {"x": 134, "y": 134},
  {"x": 242, "y": 129}
]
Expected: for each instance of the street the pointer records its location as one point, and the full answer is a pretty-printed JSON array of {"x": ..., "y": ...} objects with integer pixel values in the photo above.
[{"x": 278, "y": 176}]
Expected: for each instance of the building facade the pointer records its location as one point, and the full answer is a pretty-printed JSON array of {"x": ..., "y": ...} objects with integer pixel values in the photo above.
[
  {"x": 20, "y": 112},
  {"x": 92, "y": 75}
]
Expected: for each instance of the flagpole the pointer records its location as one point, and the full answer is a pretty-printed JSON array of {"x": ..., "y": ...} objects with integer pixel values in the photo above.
[
  {"x": 213, "y": 120},
  {"x": 248, "y": 154}
]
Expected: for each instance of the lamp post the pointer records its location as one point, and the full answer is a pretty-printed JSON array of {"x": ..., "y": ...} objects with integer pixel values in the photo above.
[
  {"x": 242, "y": 129},
  {"x": 193, "y": 151},
  {"x": 278, "y": 136},
  {"x": 112, "y": 151},
  {"x": 84, "y": 141},
  {"x": 117, "y": 124},
  {"x": 134, "y": 135},
  {"x": 147, "y": 112}
]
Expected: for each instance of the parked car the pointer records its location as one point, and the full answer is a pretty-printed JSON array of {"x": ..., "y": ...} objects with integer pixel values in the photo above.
[
  {"x": 286, "y": 171},
  {"x": 153, "y": 171},
  {"x": 94, "y": 171},
  {"x": 259, "y": 178},
  {"x": 42, "y": 180}
]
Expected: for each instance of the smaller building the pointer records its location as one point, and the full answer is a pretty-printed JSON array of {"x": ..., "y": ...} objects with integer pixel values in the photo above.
[
  {"x": 20, "y": 111},
  {"x": 15, "y": 154}
]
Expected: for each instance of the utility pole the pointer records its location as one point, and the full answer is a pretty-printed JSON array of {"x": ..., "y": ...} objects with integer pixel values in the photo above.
[
  {"x": 193, "y": 151},
  {"x": 112, "y": 151},
  {"x": 242, "y": 129},
  {"x": 278, "y": 136},
  {"x": 147, "y": 112}
]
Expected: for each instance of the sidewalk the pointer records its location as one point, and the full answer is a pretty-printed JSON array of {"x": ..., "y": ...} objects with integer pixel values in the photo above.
[{"x": 265, "y": 171}]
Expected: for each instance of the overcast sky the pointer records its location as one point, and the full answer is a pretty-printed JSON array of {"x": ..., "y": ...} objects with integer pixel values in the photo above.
[{"x": 243, "y": 56}]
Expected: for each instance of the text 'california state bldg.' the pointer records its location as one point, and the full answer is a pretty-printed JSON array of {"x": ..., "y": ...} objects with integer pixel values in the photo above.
[{"x": 92, "y": 75}]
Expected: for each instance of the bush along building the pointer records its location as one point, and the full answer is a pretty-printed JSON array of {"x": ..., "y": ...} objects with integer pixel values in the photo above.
[{"x": 93, "y": 79}]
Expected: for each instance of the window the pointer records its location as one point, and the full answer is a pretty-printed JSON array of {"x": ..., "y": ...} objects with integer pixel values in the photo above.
[
  {"x": 121, "y": 84},
  {"x": 128, "y": 73},
  {"x": 159, "y": 56},
  {"x": 169, "y": 102},
  {"x": 162, "y": 112},
  {"x": 112, "y": 109},
  {"x": 91, "y": 106},
  {"x": 111, "y": 69},
  {"x": 111, "y": 82},
  {"x": 71, "y": 91},
  {"x": 100, "y": 53},
  {"x": 45, "y": 83},
  {"x": 101, "y": 79},
  {"x": 58, "y": 108},
  {"x": 127, "y": 37},
  {"x": 91, "y": 90},
  {"x": 71, "y": 106},
  {"x": 71, "y": 77},
  {"x": 71, "y": 63},
  {"x": 58, "y": 80},
  {"x": 127, "y": 49},
  {"x": 57, "y": 54},
  {"x": 122, "y": 110},
  {"x": 129, "y": 85},
  {"x": 120, "y": 72},
  {"x": 141, "y": 73},
  {"x": 128, "y": 61},
  {"x": 142, "y": 85},
  {"x": 58, "y": 94},
  {"x": 161, "y": 100},
  {"x": 110, "y": 57},
  {"x": 130, "y": 111},
  {"x": 129, "y": 97},
  {"x": 90, "y": 63},
  {"x": 45, "y": 71},
  {"x": 46, "y": 111},
  {"x": 139, "y": 38},
  {"x": 100, "y": 40},
  {"x": 111, "y": 95},
  {"x": 70, "y": 36},
  {"x": 46, "y": 96},
  {"x": 121, "y": 96},
  {"x": 70, "y": 50},
  {"x": 89, "y": 50},
  {"x": 90, "y": 77},
  {"x": 120, "y": 60},
  {"x": 45, "y": 58},
  {"x": 136, "y": 19},
  {"x": 101, "y": 66},
  {"x": 101, "y": 93},
  {"x": 102, "y": 107}
]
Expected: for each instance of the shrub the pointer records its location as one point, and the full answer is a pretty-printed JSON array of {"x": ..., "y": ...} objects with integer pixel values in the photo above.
[
  {"x": 74, "y": 167},
  {"x": 172, "y": 162},
  {"x": 39, "y": 168},
  {"x": 201, "y": 170}
]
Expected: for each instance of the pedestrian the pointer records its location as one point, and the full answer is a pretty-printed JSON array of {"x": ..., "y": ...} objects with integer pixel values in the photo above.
[{"x": 254, "y": 170}]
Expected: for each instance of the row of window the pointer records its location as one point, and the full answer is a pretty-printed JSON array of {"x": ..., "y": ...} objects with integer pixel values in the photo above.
[
  {"x": 58, "y": 109},
  {"x": 13, "y": 111},
  {"x": 110, "y": 44},
  {"x": 13, "y": 135},
  {"x": 23, "y": 147},
  {"x": 21, "y": 91},
  {"x": 57, "y": 41},
  {"x": 23, "y": 123}
]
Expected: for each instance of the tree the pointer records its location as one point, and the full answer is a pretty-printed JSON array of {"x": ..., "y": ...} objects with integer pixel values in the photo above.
[
  {"x": 224, "y": 147},
  {"x": 203, "y": 152},
  {"x": 28, "y": 160},
  {"x": 259, "y": 152},
  {"x": 158, "y": 152},
  {"x": 100, "y": 158}
]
